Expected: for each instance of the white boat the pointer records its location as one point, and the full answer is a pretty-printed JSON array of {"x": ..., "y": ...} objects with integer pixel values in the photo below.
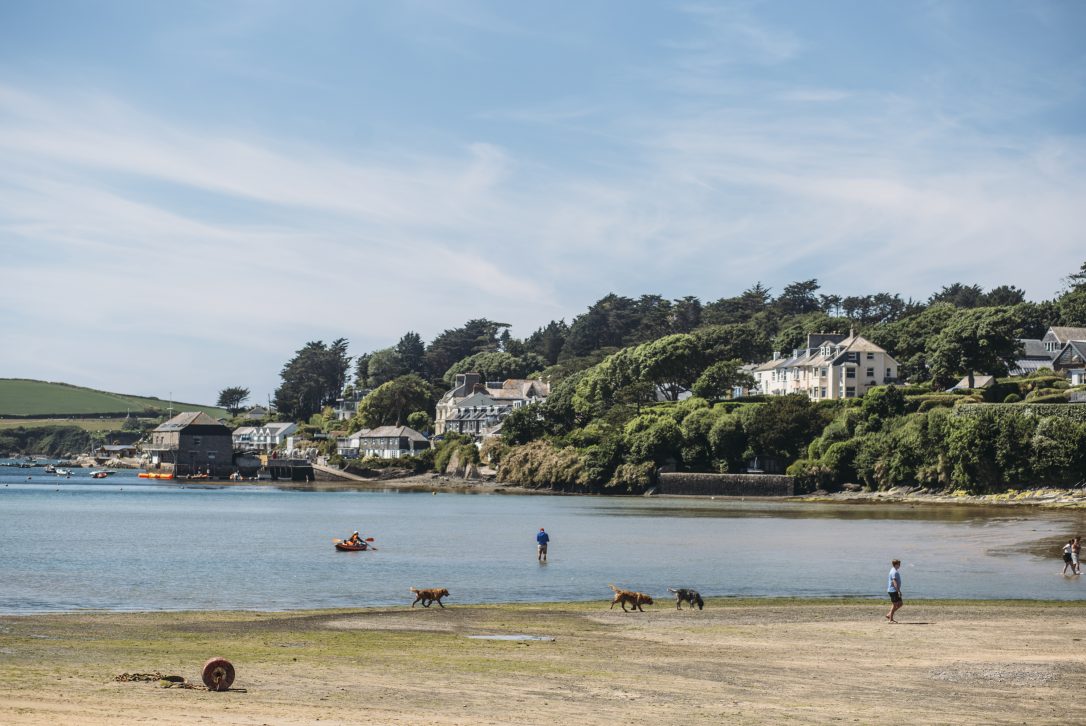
[
  {"x": 101, "y": 474},
  {"x": 63, "y": 472}
]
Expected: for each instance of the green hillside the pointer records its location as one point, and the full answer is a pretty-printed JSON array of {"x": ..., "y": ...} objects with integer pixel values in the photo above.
[{"x": 22, "y": 397}]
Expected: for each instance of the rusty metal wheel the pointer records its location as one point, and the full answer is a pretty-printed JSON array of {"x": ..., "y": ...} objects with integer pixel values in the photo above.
[{"x": 218, "y": 674}]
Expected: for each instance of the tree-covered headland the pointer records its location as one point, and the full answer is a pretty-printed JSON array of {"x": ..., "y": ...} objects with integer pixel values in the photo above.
[{"x": 618, "y": 370}]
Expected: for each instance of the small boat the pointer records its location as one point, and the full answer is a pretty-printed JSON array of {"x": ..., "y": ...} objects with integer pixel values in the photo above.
[
  {"x": 345, "y": 547},
  {"x": 155, "y": 475},
  {"x": 100, "y": 474},
  {"x": 50, "y": 469}
]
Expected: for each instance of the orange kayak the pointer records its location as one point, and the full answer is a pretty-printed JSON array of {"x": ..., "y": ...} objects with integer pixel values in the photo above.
[{"x": 155, "y": 475}]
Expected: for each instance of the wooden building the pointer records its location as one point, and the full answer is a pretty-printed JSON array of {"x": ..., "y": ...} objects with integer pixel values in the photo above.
[{"x": 192, "y": 443}]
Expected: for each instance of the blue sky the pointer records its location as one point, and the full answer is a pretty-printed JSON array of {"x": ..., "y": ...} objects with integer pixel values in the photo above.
[{"x": 191, "y": 191}]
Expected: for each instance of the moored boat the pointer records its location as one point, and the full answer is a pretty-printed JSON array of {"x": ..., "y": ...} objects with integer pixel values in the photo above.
[{"x": 155, "y": 475}]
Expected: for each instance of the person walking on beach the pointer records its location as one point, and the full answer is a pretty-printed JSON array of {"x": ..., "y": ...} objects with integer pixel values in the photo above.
[
  {"x": 1076, "y": 545},
  {"x": 1067, "y": 560},
  {"x": 893, "y": 589},
  {"x": 541, "y": 541}
]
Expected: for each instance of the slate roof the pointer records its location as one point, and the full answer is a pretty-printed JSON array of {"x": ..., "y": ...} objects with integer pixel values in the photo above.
[
  {"x": 189, "y": 418},
  {"x": 385, "y": 432},
  {"x": 1065, "y": 334},
  {"x": 1034, "y": 348}
]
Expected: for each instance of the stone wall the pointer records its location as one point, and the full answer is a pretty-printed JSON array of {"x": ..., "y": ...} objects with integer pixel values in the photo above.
[{"x": 726, "y": 485}]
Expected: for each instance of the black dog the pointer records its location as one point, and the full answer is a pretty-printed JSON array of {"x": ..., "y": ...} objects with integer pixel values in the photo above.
[{"x": 690, "y": 596}]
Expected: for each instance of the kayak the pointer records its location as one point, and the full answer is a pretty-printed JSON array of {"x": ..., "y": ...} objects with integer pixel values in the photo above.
[{"x": 345, "y": 547}]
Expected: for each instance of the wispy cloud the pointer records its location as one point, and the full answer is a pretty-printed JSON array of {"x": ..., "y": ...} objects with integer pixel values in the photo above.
[{"x": 715, "y": 159}]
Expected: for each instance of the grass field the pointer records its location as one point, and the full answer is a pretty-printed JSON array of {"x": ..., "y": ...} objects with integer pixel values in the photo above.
[
  {"x": 87, "y": 424},
  {"x": 22, "y": 397}
]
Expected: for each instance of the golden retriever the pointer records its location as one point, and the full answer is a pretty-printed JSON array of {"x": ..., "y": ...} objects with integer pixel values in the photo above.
[
  {"x": 430, "y": 595},
  {"x": 637, "y": 599}
]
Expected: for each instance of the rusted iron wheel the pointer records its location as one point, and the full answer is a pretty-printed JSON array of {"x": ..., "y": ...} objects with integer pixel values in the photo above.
[{"x": 218, "y": 674}]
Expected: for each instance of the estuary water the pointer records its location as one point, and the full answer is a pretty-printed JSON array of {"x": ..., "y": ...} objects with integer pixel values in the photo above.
[{"x": 123, "y": 544}]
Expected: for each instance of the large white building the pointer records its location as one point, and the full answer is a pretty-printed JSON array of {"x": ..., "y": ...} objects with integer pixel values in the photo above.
[
  {"x": 832, "y": 366},
  {"x": 477, "y": 408}
]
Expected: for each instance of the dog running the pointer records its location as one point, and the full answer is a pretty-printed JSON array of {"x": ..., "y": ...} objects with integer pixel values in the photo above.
[
  {"x": 691, "y": 597},
  {"x": 429, "y": 596},
  {"x": 637, "y": 599}
]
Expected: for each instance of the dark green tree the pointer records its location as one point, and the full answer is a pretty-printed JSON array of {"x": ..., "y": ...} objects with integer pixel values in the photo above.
[
  {"x": 959, "y": 295},
  {"x": 983, "y": 340},
  {"x": 412, "y": 353},
  {"x": 475, "y": 336},
  {"x": 496, "y": 366},
  {"x": 384, "y": 365},
  {"x": 315, "y": 376},
  {"x": 390, "y": 403},
  {"x": 233, "y": 399},
  {"x": 782, "y": 427},
  {"x": 548, "y": 341},
  {"x": 522, "y": 425},
  {"x": 719, "y": 380},
  {"x": 798, "y": 298}
]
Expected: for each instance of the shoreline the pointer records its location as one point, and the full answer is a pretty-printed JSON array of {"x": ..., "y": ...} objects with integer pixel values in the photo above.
[
  {"x": 1051, "y": 497},
  {"x": 754, "y": 661}
]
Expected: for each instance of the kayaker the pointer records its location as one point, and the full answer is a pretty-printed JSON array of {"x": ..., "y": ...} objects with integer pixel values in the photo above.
[{"x": 355, "y": 539}]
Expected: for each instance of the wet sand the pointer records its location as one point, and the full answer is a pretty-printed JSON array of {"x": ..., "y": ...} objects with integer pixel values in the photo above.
[{"x": 738, "y": 661}]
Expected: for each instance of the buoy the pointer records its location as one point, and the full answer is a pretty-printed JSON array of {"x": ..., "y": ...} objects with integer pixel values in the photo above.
[{"x": 218, "y": 674}]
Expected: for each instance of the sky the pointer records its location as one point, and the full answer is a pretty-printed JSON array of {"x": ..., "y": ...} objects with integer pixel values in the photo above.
[{"x": 191, "y": 191}]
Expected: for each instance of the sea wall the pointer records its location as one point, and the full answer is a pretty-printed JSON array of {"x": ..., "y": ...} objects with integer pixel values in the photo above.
[{"x": 726, "y": 485}]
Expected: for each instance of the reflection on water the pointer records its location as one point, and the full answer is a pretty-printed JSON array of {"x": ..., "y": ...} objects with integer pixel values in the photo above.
[
  {"x": 129, "y": 545},
  {"x": 745, "y": 508}
]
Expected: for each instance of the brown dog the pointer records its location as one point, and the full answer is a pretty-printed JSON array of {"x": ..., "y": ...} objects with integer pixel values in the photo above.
[
  {"x": 637, "y": 599},
  {"x": 431, "y": 595}
]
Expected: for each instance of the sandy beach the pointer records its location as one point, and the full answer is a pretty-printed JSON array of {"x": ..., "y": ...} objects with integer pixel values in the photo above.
[{"x": 738, "y": 661}]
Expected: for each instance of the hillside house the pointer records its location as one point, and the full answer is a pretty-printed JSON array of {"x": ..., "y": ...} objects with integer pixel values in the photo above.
[
  {"x": 192, "y": 443},
  {"x": 263, "y": 438},
  {"x": 460, "y": 411},
  {"x": 1035, "y": 356},
  {"x": 383, "y": 442},
  {"x": 1057, "y": 337},
  {"x": 1071, "y": 361},
  {"x": 832, "y": 366}
]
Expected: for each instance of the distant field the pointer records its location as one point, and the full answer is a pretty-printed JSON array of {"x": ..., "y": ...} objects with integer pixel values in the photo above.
[
  {"x": 21, "y": 397},
  {"x": 87, "y": 424}
]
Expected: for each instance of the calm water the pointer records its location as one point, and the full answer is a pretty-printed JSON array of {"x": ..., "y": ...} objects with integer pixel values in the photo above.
[{"x": 68, "y": 544}]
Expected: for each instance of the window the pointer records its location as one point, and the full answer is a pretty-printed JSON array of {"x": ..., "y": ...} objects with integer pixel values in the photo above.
[
  {"x": 196, "y": 440},
  {"x": 850, "y": 373},
  {"x": 850, "y": 392},
  {"x": 823, "y": 392},
  {"x": 870, "y": 372},
  {"x": 889, "y": 372},
  {"x": 871, "y": 356},
  {"x": 825, "y": 372}
]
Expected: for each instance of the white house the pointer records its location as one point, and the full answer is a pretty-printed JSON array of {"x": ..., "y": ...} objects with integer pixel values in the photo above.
[
  {"x": 383, "y": 442},
  {"x": 263, "y": 438},
  {"x": 832, "y": 366}
]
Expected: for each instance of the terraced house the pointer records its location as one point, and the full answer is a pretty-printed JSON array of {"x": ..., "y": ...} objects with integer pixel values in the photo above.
[{"x": 832, "y": 366}]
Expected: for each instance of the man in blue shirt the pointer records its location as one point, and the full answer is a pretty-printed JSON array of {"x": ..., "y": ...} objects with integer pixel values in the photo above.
[
  {"x": 893, "y": 589},
  {"x": 541, "y": 540}
]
